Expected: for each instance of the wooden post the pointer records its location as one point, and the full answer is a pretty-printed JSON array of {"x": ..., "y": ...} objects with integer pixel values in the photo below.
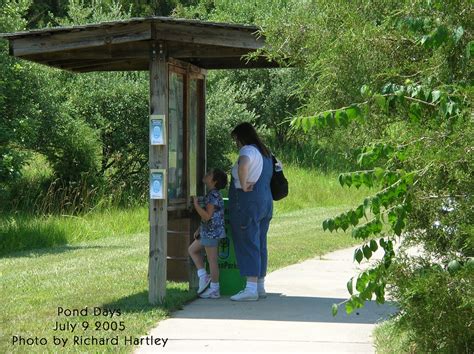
[{"x": 158, "y": 158}]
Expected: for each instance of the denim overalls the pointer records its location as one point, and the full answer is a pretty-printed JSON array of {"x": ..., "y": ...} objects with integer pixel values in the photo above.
[{"x": 250, "y": 215}]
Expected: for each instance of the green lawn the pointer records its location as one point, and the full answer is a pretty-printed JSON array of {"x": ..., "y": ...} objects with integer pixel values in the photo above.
[
  {"x": 308, "y": 189},
  {"x": 112, "y": 272},
  {"x": 102, "y": 260}
]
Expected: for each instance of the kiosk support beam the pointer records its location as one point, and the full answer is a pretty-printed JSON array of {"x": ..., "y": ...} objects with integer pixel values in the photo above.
[{"x": 158, "y": 159}]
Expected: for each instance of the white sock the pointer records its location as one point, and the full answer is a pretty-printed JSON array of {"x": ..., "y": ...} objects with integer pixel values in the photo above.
[
  {"x": 251, "y": 286},
  {"x": 201, "y": 272},
  {"x": 261, "y": 284},
  {"x": 214, "y": 286}
]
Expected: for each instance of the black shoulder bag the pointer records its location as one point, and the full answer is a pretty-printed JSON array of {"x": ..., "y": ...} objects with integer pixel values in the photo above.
[{"x": 278, "y": 183}]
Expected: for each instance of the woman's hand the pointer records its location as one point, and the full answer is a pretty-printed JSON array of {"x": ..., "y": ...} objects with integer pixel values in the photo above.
[
  {"x": 248, "y": 187},
  {"x": 195, "y": 201},
  {"x": 196, "y": 234}
]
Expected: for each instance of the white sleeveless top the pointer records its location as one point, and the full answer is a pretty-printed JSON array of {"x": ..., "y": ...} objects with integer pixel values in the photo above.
[{"x": 255, "y": 167}]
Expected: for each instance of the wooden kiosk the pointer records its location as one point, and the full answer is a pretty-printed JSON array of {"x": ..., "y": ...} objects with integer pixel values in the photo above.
[{"x": 177, "y": 53}]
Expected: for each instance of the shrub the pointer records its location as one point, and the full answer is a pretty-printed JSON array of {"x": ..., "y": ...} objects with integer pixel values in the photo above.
[{"x": 437, "y": 305}]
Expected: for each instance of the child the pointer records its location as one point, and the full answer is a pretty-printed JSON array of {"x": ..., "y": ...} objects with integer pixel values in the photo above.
[{"x": 209, "y": 232}]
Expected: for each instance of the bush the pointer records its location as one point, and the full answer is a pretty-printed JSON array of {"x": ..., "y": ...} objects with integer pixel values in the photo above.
[
  {"x": 225, "y": 108},
  {"x": 437, "y": 305}
]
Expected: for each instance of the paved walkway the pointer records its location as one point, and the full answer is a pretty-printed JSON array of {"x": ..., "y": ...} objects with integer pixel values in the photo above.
[{"x": 295, "y": 317}]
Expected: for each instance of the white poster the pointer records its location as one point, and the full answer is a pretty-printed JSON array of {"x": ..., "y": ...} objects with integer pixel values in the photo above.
[
  {"x": 157, "y": 130},
  {"x": 157, "y": 184}
]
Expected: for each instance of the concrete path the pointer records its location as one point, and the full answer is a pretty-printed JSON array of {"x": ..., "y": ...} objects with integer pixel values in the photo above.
[{"x": 295, "y": 317}]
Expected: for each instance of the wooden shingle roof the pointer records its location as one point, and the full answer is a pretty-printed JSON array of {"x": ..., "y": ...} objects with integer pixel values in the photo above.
[{"x": 126, "y": 45}]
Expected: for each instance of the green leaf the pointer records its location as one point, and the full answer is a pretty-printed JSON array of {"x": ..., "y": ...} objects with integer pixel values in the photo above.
[
  {"x": 341, "y": 180},
  {"x": 378, "y": 226},
  {"x": 380, "y": 101},
  {"x": 458, "y": 32},
  {"x": 373, "y": 245},
  {"x": 367, "y": 252},
  {"x": 306, "y": 123},
  {"x": 366, "y": 179},
  {"x": 356, "y": 232},
  {"x": 325, "y": 224},
  {"x": 362, "y": 281},
  {"x": 330, "y": 119},
  {"x": 342, "y": 118},
  {"x": 380, "y": 294},
  {"x": 331, "y": 225},
  {"x": 353, "y": 112},
  {"x": 344, "y": 223},
  {"x": 375, "y": 202},
  {"x": 366, "y": 203},
  {"x": 435, "y": 95},
  {"x": 379, "y": 172},
  {"x": 354, "y": 218},
  {"x": 349, "y": 307},
  {"x": 334, "y": 309},
  {"x": 398, "y": 227},
  {"x": 359, "y": 255},
  {"x": 415, "y": 112},
  {"x": 350, "y": 288},
  {"x": 415, "y": 90},
  {"x": 426, "y": 40},
  {"x": 365, "y": 91},
  {"x": 441, "y": 35},
  {"x": 450, "y": 108}
]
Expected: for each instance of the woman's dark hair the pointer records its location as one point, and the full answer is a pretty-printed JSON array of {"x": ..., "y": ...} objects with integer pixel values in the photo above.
[
  {"x": 220, "y": 177},
  {"x": 247, "y": 135}
]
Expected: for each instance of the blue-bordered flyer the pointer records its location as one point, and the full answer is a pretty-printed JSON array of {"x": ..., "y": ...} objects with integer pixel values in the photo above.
[
  {"x": 157, "y": 129},
  {"x": 158, "y": 184}
]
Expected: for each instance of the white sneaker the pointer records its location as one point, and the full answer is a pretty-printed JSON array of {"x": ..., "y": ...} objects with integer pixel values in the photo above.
[
  {"x": 210, "y": 294},
  {"x": 245, "y": 295},
  {"x": 204, "y": 283},
  {"x": 262, "y": 294}
]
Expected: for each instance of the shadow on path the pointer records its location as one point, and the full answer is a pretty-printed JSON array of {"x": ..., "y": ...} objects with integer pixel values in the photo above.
[{"x": 278, "y": 307}]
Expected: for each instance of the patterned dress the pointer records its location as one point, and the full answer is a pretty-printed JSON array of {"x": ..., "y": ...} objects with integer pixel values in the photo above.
[{"x": 214, "y": 228}]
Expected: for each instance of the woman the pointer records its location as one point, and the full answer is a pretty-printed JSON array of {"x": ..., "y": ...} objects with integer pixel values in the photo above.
[{"x": 251, "y": 208}]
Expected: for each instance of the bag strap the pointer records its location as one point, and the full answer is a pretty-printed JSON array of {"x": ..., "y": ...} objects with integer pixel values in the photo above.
[{"x": 274, "y": 160}]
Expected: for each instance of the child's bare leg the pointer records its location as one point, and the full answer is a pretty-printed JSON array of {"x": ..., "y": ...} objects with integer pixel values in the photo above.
[
  {"x": 195, "y": 252},
  {"x": 213, "y": 265}
]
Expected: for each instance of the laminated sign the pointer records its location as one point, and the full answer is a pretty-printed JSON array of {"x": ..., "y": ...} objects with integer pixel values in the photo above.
[
  {"x": 157, "y": 184},
  {"x": 157, "y": 130}
]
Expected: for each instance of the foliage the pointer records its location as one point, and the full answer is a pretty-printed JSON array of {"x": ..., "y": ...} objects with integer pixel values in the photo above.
[
  {"x": 226, "y": 107},
  {"x": 42, "y": 13},
  {"x": 18, "y": 107},
  {"x": 418, "y": 129},
  {"x": 115, "y": 106},
  {"x": 428, "y": 294}
]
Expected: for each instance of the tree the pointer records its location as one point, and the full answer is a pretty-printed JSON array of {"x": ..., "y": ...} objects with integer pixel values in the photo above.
[{"x": 417, "y": 119}]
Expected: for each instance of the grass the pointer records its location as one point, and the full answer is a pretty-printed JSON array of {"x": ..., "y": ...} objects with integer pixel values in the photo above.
[
  {"x": 308, "y": 189},
  {"x": 109, "y": 273},
  {"x": 112, "y": 272},
  {"x": 101, "y": 259},
  {"x": 23, "y": 232},
  {"x": 389, "y": 339}
]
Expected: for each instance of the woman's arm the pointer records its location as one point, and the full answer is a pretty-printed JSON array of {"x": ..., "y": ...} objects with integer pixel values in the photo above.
[
  {"x": 205, "y": 214},
  {"x": 243, "y": 172}
]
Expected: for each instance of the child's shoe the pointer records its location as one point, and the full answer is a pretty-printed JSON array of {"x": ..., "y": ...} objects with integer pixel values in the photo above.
[
  {"x": 210, "y": 294},
  {"x": 204, "y": 282},
  {"x": 262, "y": 294}
]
